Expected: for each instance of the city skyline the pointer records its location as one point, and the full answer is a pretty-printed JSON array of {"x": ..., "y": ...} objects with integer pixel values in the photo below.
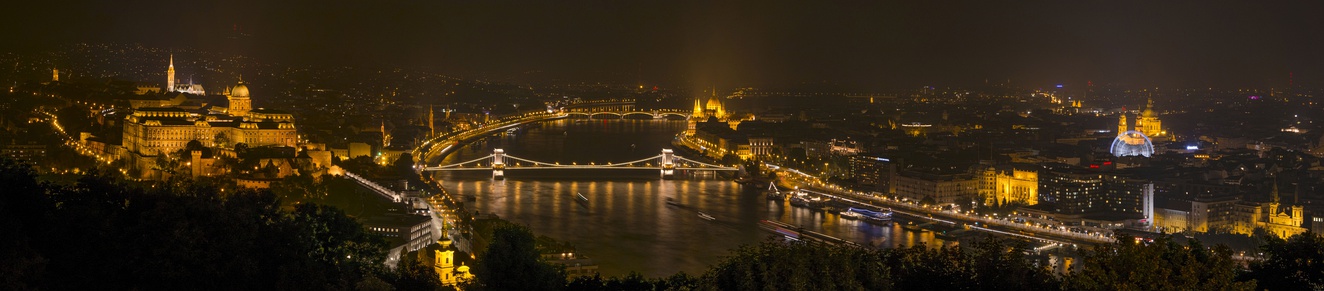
[
  {"x": 865, "y": 46},
  {"x": 648, "y": 145}
]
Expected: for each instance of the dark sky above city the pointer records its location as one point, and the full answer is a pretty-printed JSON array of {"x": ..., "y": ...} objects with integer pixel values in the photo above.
[{"x": 763, "y": 43}]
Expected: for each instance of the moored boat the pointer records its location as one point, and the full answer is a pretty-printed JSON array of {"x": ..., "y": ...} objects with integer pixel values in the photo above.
[
  {"x": 871, "y": 215},
  {"x": 850, "y": 215},
  {"x": 773, "y": 193},
  {"x": 800, "y": 199}
]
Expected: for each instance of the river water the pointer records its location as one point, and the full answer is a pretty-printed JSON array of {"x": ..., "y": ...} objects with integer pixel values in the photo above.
[{"x": 627, "y": 225}]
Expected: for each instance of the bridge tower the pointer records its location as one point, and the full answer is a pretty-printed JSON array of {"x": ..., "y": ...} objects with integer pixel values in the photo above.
[
  {"x": 667, "y": 161},
  {"x": 498, "y": 164}
]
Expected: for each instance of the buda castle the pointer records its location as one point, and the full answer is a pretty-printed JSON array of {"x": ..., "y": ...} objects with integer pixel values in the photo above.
[{"x": 155, "y": 131}]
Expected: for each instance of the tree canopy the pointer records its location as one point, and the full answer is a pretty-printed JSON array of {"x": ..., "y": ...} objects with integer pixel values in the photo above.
[{"x": 100, "y": 233}]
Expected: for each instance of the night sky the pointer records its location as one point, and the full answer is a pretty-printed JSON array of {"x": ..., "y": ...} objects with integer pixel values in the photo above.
[{"x": 861, "y": 45}]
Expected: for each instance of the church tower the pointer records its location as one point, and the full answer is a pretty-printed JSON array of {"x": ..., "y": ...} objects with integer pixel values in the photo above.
[
  {"x": 444, "y": 265},
  {"x": 55, "y": 75},
  {"x": 431, "y": 129},
  {"x": 170, "y": 75},
  {"x": 1121, "y": 123},
  {"x": 1273, "y": 198},
  {"x": 386, "y": 138},
  {"x": 698, "y": 109}
]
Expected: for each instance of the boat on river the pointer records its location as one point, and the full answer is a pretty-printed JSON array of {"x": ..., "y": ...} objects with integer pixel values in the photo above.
[
  {"x": 707, "y": 217},
  {"x": 579, "y": 198},
  {"x": 818, "y": 203},
  {"x": 673, "y": 202},
  {"x": 851, "y": 215},
  {"x": 773, "y": 193},
  {"x": 799, "y": 199},
  {"x": 882, "y": 216}
]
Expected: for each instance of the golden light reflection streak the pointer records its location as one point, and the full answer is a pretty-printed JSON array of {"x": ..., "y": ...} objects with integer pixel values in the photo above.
[{"x": 629, "y": 199}]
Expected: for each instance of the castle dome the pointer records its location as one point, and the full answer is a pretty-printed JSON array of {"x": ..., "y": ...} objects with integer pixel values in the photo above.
[{"x": 239, "y": 90}]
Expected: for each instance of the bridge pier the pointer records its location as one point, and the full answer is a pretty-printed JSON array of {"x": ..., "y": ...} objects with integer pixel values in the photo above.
[
  {"x": 667, "y": 161},
  {"x": 498, "y": 164}
]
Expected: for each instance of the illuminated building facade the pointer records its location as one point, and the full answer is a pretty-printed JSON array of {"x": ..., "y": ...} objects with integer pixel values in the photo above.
[
  {"x": 957, "y": 189},
  {"x": 1011, "y": 185},
  {"x": 154, "y": 131},
  {"x": 1274, "y": 217},
  {"x": 762, "y": 147}
]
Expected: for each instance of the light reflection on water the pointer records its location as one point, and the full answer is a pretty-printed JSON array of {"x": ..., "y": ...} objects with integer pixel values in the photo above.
[{"x": 627, "y": 225}]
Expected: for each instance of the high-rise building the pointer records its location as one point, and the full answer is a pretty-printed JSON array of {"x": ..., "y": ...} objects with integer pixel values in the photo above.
[
  {"x": 872, "y": 172},
  {"x": 1069, "y": 190}
]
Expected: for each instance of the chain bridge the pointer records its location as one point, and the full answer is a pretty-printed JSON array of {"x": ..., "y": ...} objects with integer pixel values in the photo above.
[{"x": 666, "y": 163}]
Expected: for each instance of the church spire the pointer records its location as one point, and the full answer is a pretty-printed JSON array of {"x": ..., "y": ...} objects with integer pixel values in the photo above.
[
  {"x": 1273, "y": 196},
  {"x": 170, "y": 75},
  {"x": 698, "y": 107},
  {"x": 386, "y": 139}
]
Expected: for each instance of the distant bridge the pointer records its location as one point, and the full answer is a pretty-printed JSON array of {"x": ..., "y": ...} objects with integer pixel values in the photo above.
[
  {"x": 623, "y": 111},
  {"x": 498, "y": 162}
]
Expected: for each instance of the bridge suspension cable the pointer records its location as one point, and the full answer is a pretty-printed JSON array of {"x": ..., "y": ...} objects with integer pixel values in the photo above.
[
  {"x": 699, "y": 163},
  {"x": 602, "y": 165},
  {"x": 462, "y": 163}
]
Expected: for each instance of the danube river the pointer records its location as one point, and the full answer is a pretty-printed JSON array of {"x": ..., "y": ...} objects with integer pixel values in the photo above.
[{"x": 627, "y": 224}]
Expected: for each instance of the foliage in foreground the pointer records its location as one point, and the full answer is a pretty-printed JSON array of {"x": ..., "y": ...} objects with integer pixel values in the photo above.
[
  {"x": 100, "y": 234},
  {"x": 991, "y": 264},
  {"x": 1160, "y": 265},
  {"x": 1296, "y": 263}
]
